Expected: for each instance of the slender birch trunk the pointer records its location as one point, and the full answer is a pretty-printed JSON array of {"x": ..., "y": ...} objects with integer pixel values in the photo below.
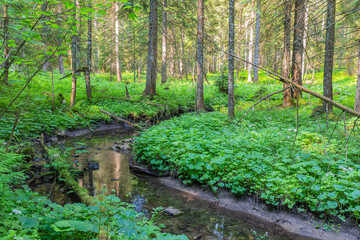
[
  {"x": 199, "y": 58},
  {"x": 89, "y": 50},
  {"x": 251, "y": 43},
  {"x": 257, "y": 43},
  {"x": 117, "y": 51},
  {"x": 286, "y": 57},
  {"x": 231, "y": 87},
  {"x": 357, "y": 97}
]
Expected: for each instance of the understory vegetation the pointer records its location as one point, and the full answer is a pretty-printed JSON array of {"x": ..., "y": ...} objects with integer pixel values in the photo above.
[
  {"x": 253, "y": 155},
  {"x": 314, "y": 167}
]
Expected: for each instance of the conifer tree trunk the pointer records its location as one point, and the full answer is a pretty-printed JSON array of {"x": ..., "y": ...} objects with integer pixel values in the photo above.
[
  {"x": 306, "y": 26},
  {"x": 251, "y": 43},
  {"x": 89, "y": 50},
  {"x": 200, "y": 106},
  {"x": 286, "y": 57},
  {"x": 78, "y": 36},
  {"x": 181, "y": 65},
  {"x": 298, "y": 47},
  {"x": 73, "y": 66},
  {"x": 257, "y": 43},
  {"x": 357, "y": 96},
  {"x": 329, "y": 53},
  {"x": 164, "y": 44},
  {"x": 96, "y": 51},
  {"x": 117, "y": 51},
  {"x": 6, "y": 46},
  {"x": 239, "y": 46},
  {"x": 151, "y": 71},
  {"x": 231, "y": 112}
]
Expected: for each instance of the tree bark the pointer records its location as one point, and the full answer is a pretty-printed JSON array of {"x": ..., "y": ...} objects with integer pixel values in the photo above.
[
  {"x": 96, "y": 51},
  {"x": 298, "y": 47},
  {"x": 239, "y": 46},
  {"x": 200, "y": 106},
  {"x": 181, "y": 64},
  {"x": 329, "y": 53},
  {"x": 306, "y": 26},
  {"x": 6, "y": 46},
  {"x": 357, "y": 97},
  {"x": 231, "y": 111},
  {"x": 251, "y": 43},
  {"x": 117, "y": 51},
  {"x": 257, "y": 42},
  {"x": 151, "y": 71},
  {"x": 73, "y": 65},
  {"x": 78, "y": 37},
  {"x": 164, "y": 44},
  {"x": 286, "y": 57},
  {"x": 89, "y": 50}
]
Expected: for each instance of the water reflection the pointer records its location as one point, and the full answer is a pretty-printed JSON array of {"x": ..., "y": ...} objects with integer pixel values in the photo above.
[{"x": 200, "y": 219}]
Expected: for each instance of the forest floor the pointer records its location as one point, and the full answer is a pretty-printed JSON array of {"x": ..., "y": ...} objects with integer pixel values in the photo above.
[{"x": 252, "y": 156}]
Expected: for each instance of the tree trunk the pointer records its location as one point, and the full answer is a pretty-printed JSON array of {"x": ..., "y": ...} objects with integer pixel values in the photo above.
[
  {"x": 286, "y": 57},
  {"x": 61, "y": 57},
  {"x": 78, "y": 37},
  {"x": 89, "y": 50},
  {"x": 357, "y": 97},
  {"x": 73, "y": 65},
  {"x": 257, "y": 42},
  {"x": 239, "y": 46},
  {"x": 329, "y": 53},
  {"x": 6, "y": 46},
  {"x": 164, "y": 43},
  {"x": 306, "y": 23},
  {"x": 117, "y": 51},
  {"x": 298, "y": 47},
  {"x": 182, "y": 55},
  {"x": 251, "y": 43},
  {"x": 231, "y": 112},
  {"x": 96, "y": 53},
  {"x": 151, "y": 71},
  {"x": 200, "y": 106}
]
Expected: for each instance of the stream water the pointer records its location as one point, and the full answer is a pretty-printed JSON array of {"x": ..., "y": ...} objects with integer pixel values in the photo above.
[{"x": 200, "y": 219}]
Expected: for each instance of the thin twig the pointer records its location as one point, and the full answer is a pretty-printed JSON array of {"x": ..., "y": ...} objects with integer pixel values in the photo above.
[
  {"x": 264, "y": 98},
  {"x": 346, "y": 140},
  {"x": 28, "y": 81},
  {"x": 297, "y": 124}
]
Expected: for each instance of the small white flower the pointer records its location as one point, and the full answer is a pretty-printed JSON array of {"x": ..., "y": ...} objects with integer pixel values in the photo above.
[{"x": 16, "y": 211}]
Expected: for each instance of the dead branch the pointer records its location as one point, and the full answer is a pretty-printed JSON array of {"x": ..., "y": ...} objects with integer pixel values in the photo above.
[
  {"x": 117, "y": 118},
  {"x": 39, "y": 68},
  {"x": 264, "y": 98},
  {"x": 288, "y": 81}
]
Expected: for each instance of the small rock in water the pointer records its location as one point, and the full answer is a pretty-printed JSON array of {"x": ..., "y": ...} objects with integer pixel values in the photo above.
[
  {"x": 54, "y": 139},
  {"x": 61, "y": 133},
  {"x": 124, "y": 145},
  {"x": 93, "y": 165},
  {"x": 171, "y": 211}
]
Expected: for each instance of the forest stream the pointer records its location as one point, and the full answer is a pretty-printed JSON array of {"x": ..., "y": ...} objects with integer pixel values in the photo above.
[{"x": 198, "y": 219}]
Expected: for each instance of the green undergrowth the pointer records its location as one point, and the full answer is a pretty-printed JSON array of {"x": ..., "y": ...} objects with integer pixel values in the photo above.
[
  {"x": 26, "y": 215},
  {"x": 35, "y": 115},
  {"x": 257, "y": 157}
]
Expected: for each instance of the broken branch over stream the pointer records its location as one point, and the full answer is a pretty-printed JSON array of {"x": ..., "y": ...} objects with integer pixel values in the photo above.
[{"x": 298, "y": 86}]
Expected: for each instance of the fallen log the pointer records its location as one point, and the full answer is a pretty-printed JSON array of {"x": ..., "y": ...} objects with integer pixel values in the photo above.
[
  {"x": 117, "y": 118},
  {"x": 64, "y": 173},
  {"x": 296, "y": 85}
]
